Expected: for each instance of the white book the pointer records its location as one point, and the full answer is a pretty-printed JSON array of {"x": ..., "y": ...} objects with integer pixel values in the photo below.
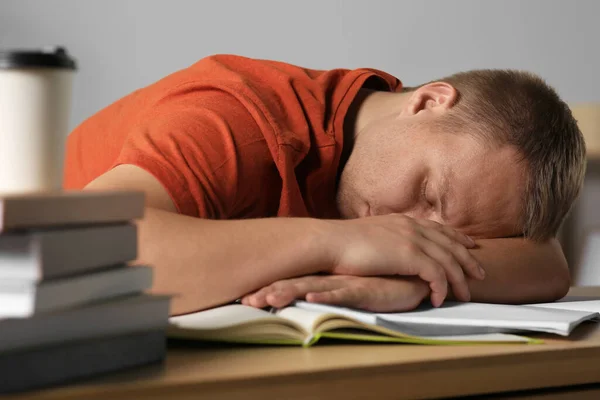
[
  {"x": 584, "y": 305},
  {"x": 53, "y": 253},
  {"x": 21, "y": 299},
  {"x": 111, "y": 318},
  {"x": 296, "y": 326},
  {"x": 454, "y": 318}
]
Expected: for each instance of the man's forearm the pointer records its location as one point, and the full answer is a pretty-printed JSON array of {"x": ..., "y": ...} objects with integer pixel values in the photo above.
[
  {"x": 520, "y": 271},
  {"x": 209, "y": 262},
  {"x": 206, "y": 262}
]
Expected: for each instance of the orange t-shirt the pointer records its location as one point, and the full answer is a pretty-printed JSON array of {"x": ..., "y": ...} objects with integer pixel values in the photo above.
[{"x": 230, "y": 137}]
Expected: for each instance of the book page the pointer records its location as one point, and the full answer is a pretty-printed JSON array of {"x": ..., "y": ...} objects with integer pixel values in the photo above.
[
  {"x": 489, "y": 315},
  {"x": 454, "y": 318},
  {"x": 309, "y": 320},
  {"x": 241, "y": 323},
  {"x": 586, "y": 305},
  {"x": 361, "y": 316},
  {"x": 222, "y": 317}
]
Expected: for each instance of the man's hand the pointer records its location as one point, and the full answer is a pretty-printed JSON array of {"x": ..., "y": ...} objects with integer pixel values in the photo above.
[
  {"x": 367, "y": 293},
  {"x": 399, "y": 245}
]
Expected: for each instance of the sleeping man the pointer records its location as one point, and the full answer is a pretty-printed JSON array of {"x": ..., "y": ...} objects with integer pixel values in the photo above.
[{"x": 271, "y": 182}]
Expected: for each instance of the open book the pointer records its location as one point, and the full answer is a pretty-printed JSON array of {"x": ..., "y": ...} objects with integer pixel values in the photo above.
[
  {"x": 455, "y": 318},
  {"x": 305, "y": 323},
  {"x": 573, "y": 305}
]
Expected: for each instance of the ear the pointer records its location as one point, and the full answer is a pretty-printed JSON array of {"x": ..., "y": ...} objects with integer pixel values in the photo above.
[{"x": 435, "y": 97}]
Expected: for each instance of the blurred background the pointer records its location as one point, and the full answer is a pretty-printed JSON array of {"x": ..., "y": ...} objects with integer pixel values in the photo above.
[{"x": 121, "y": 45}]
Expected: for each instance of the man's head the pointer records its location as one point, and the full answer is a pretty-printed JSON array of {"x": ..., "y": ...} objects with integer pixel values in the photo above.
[{"x": 493, "y": 153}]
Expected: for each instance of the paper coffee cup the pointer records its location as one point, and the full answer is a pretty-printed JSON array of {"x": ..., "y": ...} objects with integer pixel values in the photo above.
[{"x": 35, "y": 104}]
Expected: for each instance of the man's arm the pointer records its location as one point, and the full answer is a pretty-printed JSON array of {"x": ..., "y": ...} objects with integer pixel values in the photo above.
[
  {"x": 209, "y": 262},
  {"x": 520, "y": 271},
  {"x": 205, "y": 263}
]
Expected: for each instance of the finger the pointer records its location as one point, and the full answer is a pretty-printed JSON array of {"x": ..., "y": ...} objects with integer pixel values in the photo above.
[
  {"x": 437, "y": 284},
  {"x": 438, "y": 295},
  {"x": 453, "y": 234},
  {"x": 454, "y": 273},
  {"x": 258, "y": 299},
  {"x": 280, "y": 299},
  {"x": 301, "y": 286},
  {"x": 288, "y": 290},
  {"x": 464, "y": 258},
  {"x": 397, "y": 295},
  {"x": 245, "y": 301},
  {"x": 345, "y": 297},
  {"x": 416, "y": 262}
]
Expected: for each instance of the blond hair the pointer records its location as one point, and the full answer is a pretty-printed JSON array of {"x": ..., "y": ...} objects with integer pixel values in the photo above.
[{"x": 519, "y": 109}]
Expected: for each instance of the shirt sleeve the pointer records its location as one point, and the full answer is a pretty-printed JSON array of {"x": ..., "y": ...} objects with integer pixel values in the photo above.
[{"x": 204, "y": 148}]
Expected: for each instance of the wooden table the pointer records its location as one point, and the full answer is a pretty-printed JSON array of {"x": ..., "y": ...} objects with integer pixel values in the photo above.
[{"x": 347, "y": 371}]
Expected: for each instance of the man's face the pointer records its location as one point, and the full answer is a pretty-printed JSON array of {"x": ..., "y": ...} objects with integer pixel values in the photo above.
[{"x": 414, "y": 169}]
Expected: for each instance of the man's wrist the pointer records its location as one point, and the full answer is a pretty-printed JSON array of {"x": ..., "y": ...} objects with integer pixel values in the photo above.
[{"x": 323, "y": 245}]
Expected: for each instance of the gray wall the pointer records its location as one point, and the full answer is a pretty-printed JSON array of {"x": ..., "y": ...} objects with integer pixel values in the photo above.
[{"x": 124, "y": 44}]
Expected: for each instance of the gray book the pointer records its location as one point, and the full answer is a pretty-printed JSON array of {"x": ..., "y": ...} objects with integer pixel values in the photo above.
[
  {"x": 54, "y": 253},
  {"x": 37, "y": 210},
  {"x": 71, "y": 361},
  {"x": 21, "y": 299},
  {"x": 112, "y": 318}
]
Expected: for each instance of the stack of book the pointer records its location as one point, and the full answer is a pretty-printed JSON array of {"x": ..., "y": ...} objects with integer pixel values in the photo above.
[{"x": 70, "y": 305}]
